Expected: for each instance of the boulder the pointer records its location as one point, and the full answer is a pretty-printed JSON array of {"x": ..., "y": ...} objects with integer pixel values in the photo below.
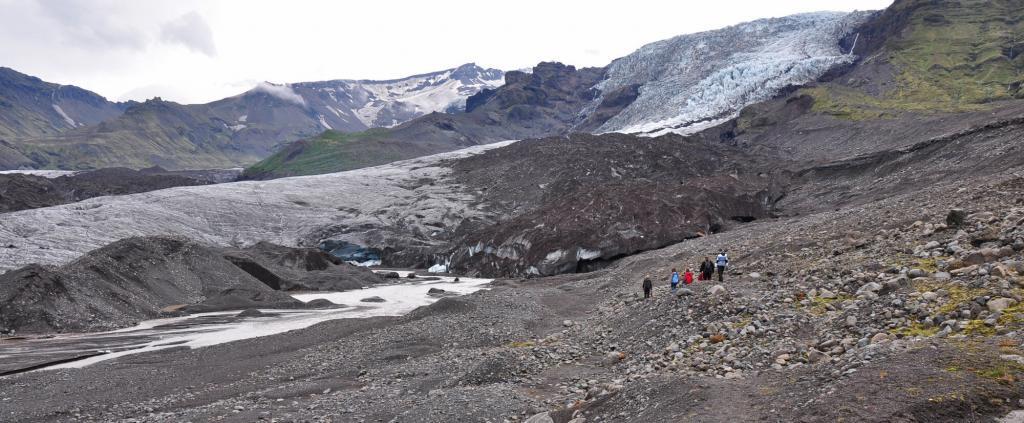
[
  {"x": 614, "y": 357},
  {"x": 390, "y": 275},
  {"x": 826, "y": 294},
  {"x": 955, "y": 218},
  {"x": 974, "y": 258},
  {"x": 917, "y": 273},
  {"x": 544, "y": 417},
  {"x": 1000, "y": 304},
  {"x": 880, "y": 337},
  {"x": 320, "y": 303},
  {"x": 717, "y": 290},
  {"x": 999, "y": 271},
  {"x": 814, "y": 356},
  {"x": 373, "y": 299},
  {"x": 894, "y": 284},
  {"x": 869, "y": 287}
]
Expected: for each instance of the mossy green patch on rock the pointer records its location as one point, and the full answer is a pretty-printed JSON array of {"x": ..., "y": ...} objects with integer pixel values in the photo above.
[
  {"x": 946, "y": 56},
  {"x": 915, "y": 330}
]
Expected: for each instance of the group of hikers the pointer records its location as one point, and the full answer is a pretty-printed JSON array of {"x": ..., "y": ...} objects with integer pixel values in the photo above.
[{"x": 706, "y": 272}]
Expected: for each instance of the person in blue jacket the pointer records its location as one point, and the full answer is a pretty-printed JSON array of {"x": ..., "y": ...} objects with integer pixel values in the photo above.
[{"x": 674, "y": 279}]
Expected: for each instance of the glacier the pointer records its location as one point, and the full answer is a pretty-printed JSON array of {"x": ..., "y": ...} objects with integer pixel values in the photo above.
[
  {"x": 690, "y": 82},
  {"x": 405, "y": 200}
]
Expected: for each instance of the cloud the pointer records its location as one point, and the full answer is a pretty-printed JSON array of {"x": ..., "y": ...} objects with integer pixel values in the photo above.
[
  {"x": 191, "y": 31},
  {"x": 81, "y": 23},
  {"x": 282, "y": 92}
]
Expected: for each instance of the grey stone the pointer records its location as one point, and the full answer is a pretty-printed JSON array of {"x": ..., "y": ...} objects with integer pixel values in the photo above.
[
  {"x": 1000, "y": 304},
  {"x": 544, "y": 417}
]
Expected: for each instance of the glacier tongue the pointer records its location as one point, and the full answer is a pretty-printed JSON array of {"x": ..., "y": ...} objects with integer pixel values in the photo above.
[
  {"x": 401, "y": 200},
  {"x": 692, "y": 80}
]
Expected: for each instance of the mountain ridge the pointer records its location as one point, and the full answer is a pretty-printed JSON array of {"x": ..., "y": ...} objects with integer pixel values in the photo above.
[
  {"x": 654, "y": 91},
  {"x": 236, "y": 130}
]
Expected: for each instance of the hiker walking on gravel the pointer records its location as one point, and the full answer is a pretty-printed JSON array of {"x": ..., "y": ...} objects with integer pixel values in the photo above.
[
  {"x": 648, "y": 285},
  {"x": 688, "y": 277},
  {"x": 722, "y": 261},
  {"x": 707, "y": 269},
  {"x": 674, "y": 280}
]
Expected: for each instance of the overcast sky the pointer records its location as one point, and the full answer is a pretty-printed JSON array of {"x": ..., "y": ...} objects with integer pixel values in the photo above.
[{"x": 201, "y": 50}]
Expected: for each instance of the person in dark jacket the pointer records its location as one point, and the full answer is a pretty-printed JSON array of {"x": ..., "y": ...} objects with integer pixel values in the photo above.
[
  {"x": 648, "y": 286},
  {"x": 707, "y": 269}
]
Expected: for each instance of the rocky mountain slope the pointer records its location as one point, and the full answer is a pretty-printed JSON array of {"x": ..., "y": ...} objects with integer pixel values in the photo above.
[
  {"x": 543, "y": 102},
  {"x": 136, "y": 279},
  {"x": 926, "y": 69},
  {"x": 353, "y": 105},
  {"x": 30, "y": 107},
  {"x": 683, "y": 84},
  {"x": 234, "y": 131}
]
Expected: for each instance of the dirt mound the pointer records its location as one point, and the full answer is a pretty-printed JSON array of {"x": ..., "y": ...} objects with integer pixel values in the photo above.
[
  {"x": 574, "y": 203},
  {"x": 22, "y": 192},
  {"x": 300, "y": 269},
  {"x": 133, "y": 279},
  {"x": 444, "y": 306}
]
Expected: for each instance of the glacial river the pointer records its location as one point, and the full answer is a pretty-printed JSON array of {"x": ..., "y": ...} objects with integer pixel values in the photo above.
[{"x": 205, "y": 329}]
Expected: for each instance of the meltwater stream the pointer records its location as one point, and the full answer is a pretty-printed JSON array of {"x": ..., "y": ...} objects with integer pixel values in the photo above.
[{"x": 205, "y": 329}]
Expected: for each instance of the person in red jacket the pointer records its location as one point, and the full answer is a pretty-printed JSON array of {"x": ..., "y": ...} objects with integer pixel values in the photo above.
[{"x": 688, "y": 277}]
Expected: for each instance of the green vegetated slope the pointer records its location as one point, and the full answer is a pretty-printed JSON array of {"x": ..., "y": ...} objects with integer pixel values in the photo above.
[
  {"x": 325, "y": 153},
  {"x": 937, "y": 56},
  {"x": 152, "y": 133}
]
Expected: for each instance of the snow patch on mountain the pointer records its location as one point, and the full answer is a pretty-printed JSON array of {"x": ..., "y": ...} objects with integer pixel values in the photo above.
[
  {"x": 65, "y": 116},
  {"x": 690, "y": 81},
  {"x": 392, "y": 102}
]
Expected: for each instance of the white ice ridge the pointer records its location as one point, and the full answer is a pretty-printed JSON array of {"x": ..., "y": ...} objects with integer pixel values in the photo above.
[
  {"x": 288, "y": 211},
  {"x": 709, "y": 76}
]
